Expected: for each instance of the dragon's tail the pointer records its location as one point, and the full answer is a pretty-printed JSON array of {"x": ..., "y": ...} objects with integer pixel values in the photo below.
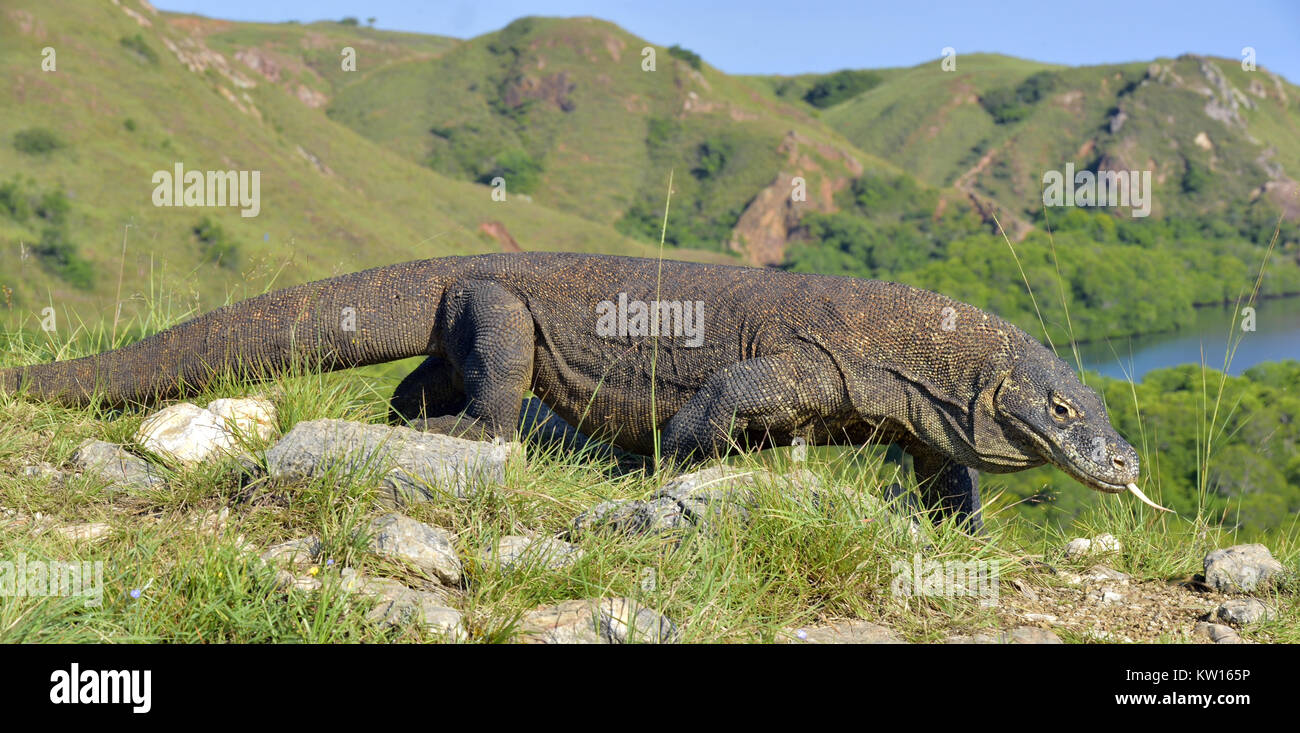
[{"x": 370, "y": 317}]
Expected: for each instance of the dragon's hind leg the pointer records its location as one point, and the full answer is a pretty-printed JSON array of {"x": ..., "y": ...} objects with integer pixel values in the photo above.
[{"x": 476, "y": 388}]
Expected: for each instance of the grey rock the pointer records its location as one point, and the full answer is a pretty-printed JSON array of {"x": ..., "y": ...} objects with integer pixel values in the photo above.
[
  {"x": 1018, "y": 635},
  {"x": 693, "y": 499},
  {"x": 398, "y": 605},
  {"x": 112, "y": 463},
  {"x": 633, "y": 517},
  {"x": 287, "y": 581},
  {"x": 1218, "y": 633},
  {"x": 427, "y": 548},
  {"x": 513, "y": 552},
  {"x": 303, "y": 551},
  {"x": 597, "y": 621},
  {"x": 1243, "y": 611},
  {"x": 412, "y": 466},
  {"x": 43, "y": 471},
  {"x": 1241, "y": 568},
  {"x": 844, "y": 632}
]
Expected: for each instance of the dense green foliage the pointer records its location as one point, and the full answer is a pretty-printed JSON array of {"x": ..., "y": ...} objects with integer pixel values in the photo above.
[
  {"x": 21, "y": 203},
  {"x": 691, "y": 58},
  {"x": 840, "y": 86},
  {"x": 1012, "y": 104},
  {"x": 37, "y": 141},
  {"x": 705, "y": 208},
  {"x": 215, "y": 245},
  {"x": 520, "y": 172}
]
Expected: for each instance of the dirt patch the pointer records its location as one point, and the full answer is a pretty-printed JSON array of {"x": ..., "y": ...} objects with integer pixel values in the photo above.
[
  {"x": 552, "y": 88},
  {"x": 497, "y": 231},
  {"x": 1102, "y": 604}
]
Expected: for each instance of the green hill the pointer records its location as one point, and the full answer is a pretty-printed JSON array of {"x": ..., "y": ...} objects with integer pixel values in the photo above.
[{"x": 135, "y": 91}]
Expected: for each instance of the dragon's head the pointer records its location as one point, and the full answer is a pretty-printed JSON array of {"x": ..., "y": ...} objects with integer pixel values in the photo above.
[{"x": 1064, "y": 422}]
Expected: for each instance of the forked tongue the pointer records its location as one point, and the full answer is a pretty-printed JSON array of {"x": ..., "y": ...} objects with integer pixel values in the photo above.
[{"x": 1133, "y": 489}]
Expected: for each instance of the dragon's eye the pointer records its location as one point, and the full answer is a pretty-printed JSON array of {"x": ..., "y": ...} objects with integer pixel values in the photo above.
[{"x": 1061, "y": 409}]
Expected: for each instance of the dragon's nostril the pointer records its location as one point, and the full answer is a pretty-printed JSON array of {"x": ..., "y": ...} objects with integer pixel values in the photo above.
[{"x": 1117, "y": 461}]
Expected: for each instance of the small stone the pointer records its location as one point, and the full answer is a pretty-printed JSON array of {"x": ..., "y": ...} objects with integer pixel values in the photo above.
[
  {"x": 287, "y": 581},
  {"x": 112, "y": 463},
  {"x": 1045, "y": 618},
  {"x": 91, "y": 532},
  {"x": 1218, "y": 633},
  {"x": 596, "y": 621},
  {"x": 1107, "y": 595},
  {"x": 1101, "y": 544},
  {"x": 1105, "y": 543},
  {"x": 1241, "y": 568},
  {"x": 1070, "y": 578},
  {"x": 303, "y": 551},
  {"x": 412, "y": 466},
  {"x": 1078, "y": 546},
  {"x": 1025, "y": 589},
  {"x": 1243, "y": 611},
  {"x": 843, "y": 632},
  {"x": 246, "y": 418},
  {"x": 427, "y": 548},
  {"x": 42, "y": 471},
  {"x": 512, "y": 552},
  {"x": 185, "y": 433},
  {"x": 633, "y": 517},
  {"x": 692, "y": 500},
  {"x": 400, "y": 605}
]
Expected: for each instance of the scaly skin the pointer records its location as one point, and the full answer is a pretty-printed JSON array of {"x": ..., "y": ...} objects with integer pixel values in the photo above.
[{"x": 833, "y": 360}]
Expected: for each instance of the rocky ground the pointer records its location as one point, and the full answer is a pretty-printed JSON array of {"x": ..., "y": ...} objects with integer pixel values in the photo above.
[{"x": 427, "y": 573}]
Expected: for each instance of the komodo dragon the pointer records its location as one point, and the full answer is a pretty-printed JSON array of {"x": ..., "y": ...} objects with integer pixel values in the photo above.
[{"x": 733, "y": 357}]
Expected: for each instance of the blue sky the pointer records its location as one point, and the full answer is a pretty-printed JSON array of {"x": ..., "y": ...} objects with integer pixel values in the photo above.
[{"x": 792, "y": 36}]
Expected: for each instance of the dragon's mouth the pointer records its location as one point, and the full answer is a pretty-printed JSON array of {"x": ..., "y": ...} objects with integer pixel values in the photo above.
[
  {"x": 1061, "y": 458},
  {"x": 1108, "y": 487}
]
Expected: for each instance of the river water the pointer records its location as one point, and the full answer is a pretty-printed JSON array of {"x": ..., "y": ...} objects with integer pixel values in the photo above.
[{"x": 1276, "y": 337}]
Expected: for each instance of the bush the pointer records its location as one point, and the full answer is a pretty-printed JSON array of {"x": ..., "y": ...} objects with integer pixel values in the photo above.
[
  {"x": 350, "y": 21},
  {"x": 521, "y": 172},
  {"x": 1196, "y": 177},
  {"x": 215, "y": 245},
  {"x": 660, "y": 131},
  {"x": 37, "y": 141},
  {"x": 1009, "y": 105},
  {"x": 62, "y": 257},
  {"x": 53, "y": 207},
  {"x": 691, "y": 58},
  {"x": 840, "y": 86},
  {"x": 13, "y": 202},
  {"x": 710, "y": 158},
  {"x": 137, "y": 45}
]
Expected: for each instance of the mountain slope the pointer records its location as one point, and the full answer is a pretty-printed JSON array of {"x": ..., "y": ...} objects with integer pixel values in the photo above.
[
  {"x": 566, "y": 110},
  {"x": 135, "y": 91}
]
